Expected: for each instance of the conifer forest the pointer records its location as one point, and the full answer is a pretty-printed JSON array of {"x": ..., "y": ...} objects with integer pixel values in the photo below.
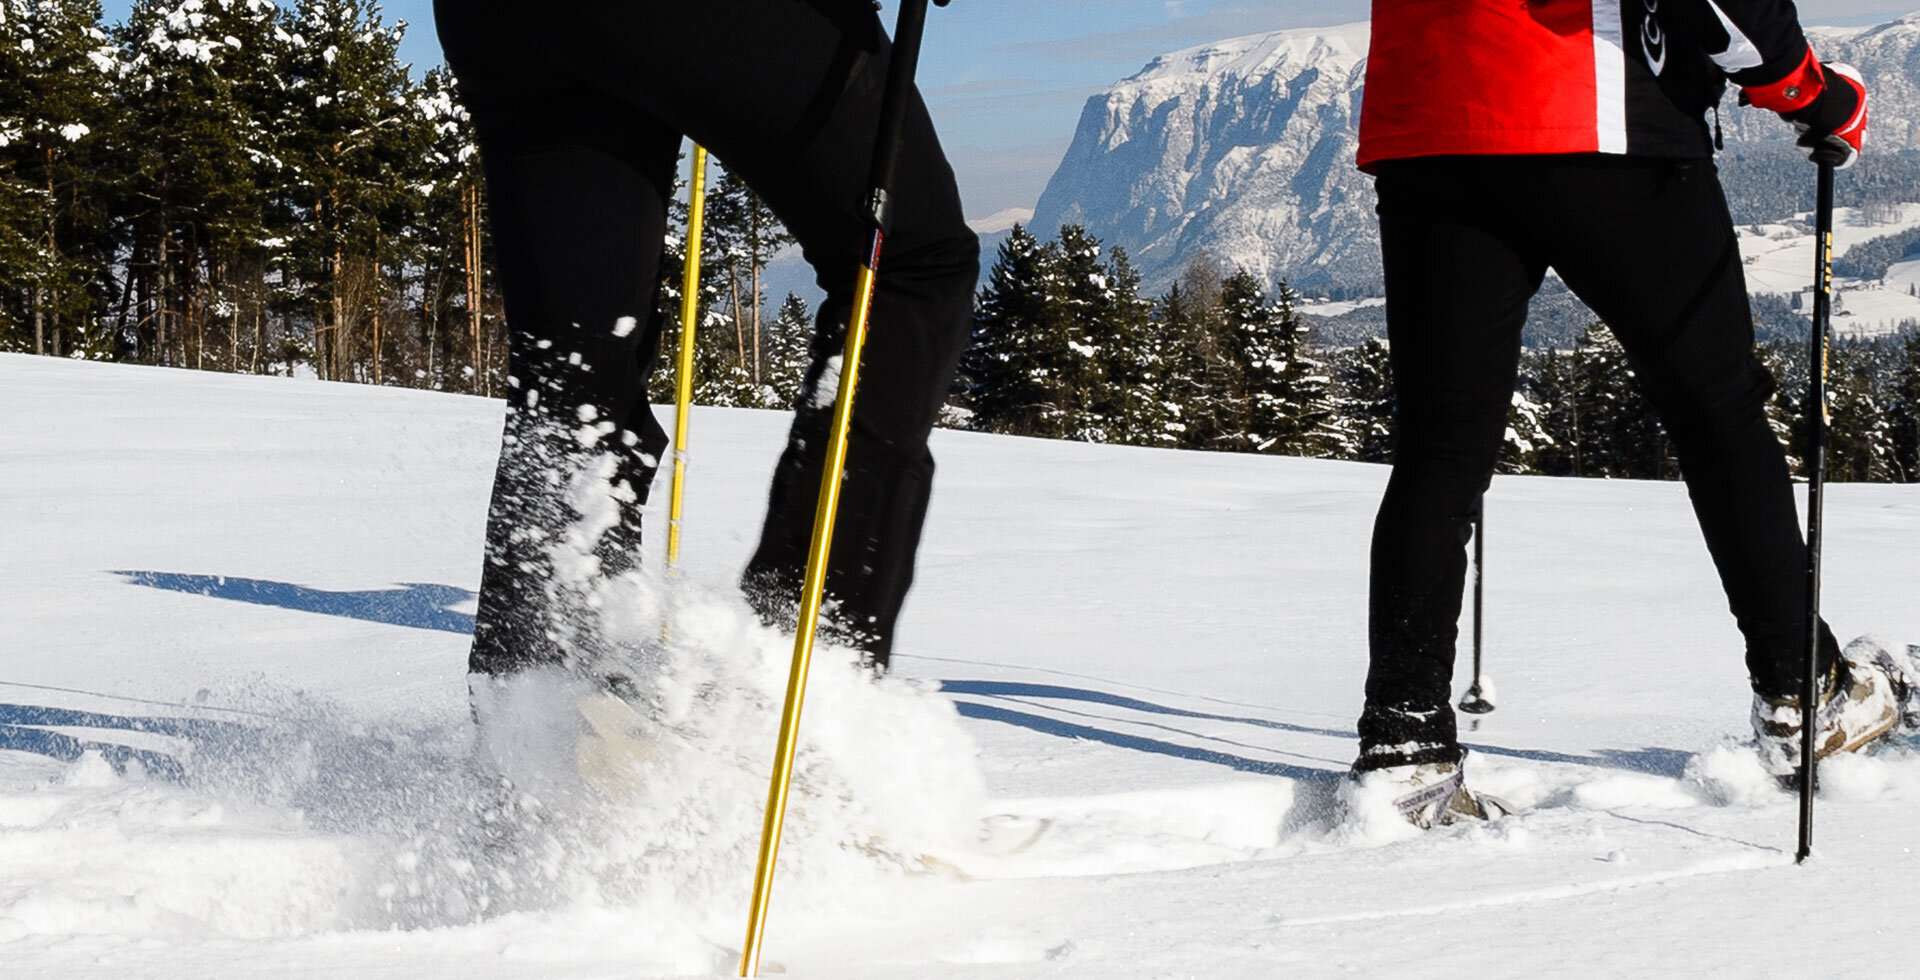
[{"x": 234, "y": 185}]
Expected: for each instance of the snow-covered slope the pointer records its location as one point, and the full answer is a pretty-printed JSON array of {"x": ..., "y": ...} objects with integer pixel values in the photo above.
[
  {"x": 262, "y": 587},
  {"x": 1244, "y": 149},
  {"x": 1779, "y": 260}
]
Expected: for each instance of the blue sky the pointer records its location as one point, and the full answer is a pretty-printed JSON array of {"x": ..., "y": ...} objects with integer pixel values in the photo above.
[{"x": 1006, "y": 79}]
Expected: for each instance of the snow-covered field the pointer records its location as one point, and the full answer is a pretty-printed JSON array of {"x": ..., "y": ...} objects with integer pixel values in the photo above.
[
  {"x": 233, "y": 722},
  {"x": 1779, "y": 259}
]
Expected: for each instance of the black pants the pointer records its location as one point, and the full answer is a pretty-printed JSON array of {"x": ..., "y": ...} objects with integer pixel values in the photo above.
[
  {"x": 1648, "y": 244},
  {"x": 580, "y": 109}
]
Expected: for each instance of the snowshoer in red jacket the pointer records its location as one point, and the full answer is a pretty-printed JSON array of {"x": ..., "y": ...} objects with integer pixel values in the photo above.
[{"x": 1512, "y": 138}]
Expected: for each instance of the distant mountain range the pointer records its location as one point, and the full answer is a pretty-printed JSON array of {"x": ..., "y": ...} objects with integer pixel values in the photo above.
[{"x": 1244, "y": 149}]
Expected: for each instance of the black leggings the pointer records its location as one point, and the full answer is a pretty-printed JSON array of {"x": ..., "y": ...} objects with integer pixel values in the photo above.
[
  {"x": 1648, "y": 244},
  {"x": 580, "y": 109}
]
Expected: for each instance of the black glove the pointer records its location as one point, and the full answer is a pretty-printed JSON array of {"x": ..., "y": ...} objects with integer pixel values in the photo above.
[{"x": 1834, "y": 124}]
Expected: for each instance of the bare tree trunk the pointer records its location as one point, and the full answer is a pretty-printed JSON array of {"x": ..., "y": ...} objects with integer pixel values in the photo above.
[
  {"x": 430, "y": 309},
  {"x": 233, "y": 337},
  {"x": 339, "y": 310},
  {"x": 1577, "y": 446},
  {"x": 40, "y": 298},
  {"x": 753, "y": 260},
  {"x": 197, "y": 321},
  {"x": 475, "y": 327},
  {"x": 755, "y": 299},
  {"x": 259, "y": 323},
  {"x": 739, "y": 337},
  {"x": 162, "y": 340},
  {"x": 375, "y": 292},
  {"x": 286, "y": 322},
  {"x": 126, "y": 289},
  {"x": 480, "y": 291}
]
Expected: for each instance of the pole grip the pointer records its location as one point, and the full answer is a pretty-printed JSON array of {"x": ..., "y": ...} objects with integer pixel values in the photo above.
[{"x": 897, "y": 97}]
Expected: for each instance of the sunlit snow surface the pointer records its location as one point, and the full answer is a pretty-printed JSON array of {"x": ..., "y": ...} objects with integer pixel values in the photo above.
[
  {"x": 235, "y": 742},
  {"x": 1779, "y": 260}
]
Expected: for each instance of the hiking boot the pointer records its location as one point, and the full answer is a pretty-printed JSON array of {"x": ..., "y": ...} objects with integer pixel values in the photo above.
[
  {"x": 1427, "y": 794},
  {"x": 1859, "y": 703}
]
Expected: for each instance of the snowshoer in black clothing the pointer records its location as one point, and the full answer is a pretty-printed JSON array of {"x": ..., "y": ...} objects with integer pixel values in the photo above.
[
  {"x": 580, "y": 108},
  {"x": 1593, "y": 181}
]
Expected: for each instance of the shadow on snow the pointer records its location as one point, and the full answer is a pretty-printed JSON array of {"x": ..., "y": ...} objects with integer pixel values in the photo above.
[
  {"x": 30, "y": 728},
  {"x": 1671, "y": 763},
  {"x": 415, "y": 605}
]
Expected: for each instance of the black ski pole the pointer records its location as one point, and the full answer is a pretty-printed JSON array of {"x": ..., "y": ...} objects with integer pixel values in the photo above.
[
  {"x": 1817, "y": 423},
  {"x": 1479, "y": 698}
]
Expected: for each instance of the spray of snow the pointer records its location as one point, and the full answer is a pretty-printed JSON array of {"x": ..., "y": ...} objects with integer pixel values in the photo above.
[
  {"x": 306, "y": 818},
  {"x": 827, "y": 388}
]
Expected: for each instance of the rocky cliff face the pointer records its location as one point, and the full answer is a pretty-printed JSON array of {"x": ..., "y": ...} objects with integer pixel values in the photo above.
[{"x": 1244, "y": 148}]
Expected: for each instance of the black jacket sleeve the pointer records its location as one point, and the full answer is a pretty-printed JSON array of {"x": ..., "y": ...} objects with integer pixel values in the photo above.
[{"x": 1755, "y": 42}]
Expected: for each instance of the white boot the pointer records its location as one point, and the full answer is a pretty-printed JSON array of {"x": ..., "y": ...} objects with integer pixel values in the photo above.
[
  {"x": 1430, "y": 794},
  {"x": 1859, "y": 703}
]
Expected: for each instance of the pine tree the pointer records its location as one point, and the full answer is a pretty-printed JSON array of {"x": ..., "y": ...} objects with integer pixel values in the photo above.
[
  {"x": 1290, "y": 407},
  {"x": 1546, "y": 379},
  {"x": 57, "y": 72},
  {"x": 224, "y": 177},
  {"x": 719, "y": 376},
  {"x": 463, "y": 338},
  {"x": 351, "y": 134},
  {"x": 1169, "y": 324},
  {"x": 1903, "y": 411},
  {"x": 743, "y": 235},
  {"x": 1785, "y": 415},
  {"x": 789, "y": 344},
  {"x": 205, "y": 88},
  {"x": 1014, "y": 367},
  {"x": 1617, "y": 433},
  {"x": 1078, "y": 281},
  {"x": 1861, "y": 440},
  {"x": 1202, "y": 381},
  {"x": 1527, "y": 436},
  {"x": 1363, "y": 400},
  {"x": 1123, "y": 400}
]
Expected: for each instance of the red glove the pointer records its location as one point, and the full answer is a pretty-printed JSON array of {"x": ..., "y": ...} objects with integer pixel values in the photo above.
[{"x": 1826, "y": 103}]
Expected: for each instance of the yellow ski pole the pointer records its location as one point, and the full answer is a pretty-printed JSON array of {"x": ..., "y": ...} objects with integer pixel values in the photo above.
[
  {"x": 886, "y": 150},
  {"x": 683, "y": 400}
]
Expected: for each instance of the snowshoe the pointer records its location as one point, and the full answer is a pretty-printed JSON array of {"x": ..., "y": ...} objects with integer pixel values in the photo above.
[
  {"x": 1001, "y": 836},
  {"x": 619, "y": 745},
  {"x": 1860, "y": 703},
  {"x": 1432, "y": 794},
  {"x": 1908, "y": 688}
]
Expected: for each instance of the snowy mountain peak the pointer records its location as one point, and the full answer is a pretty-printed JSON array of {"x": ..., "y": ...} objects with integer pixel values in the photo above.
[
  {"x": 1256, "y": 54},
  {"x": 1242, "y": 147}
]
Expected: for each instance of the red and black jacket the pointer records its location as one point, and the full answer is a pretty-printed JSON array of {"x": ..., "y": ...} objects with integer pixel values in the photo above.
[{"x": 1636, "y": 77}]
